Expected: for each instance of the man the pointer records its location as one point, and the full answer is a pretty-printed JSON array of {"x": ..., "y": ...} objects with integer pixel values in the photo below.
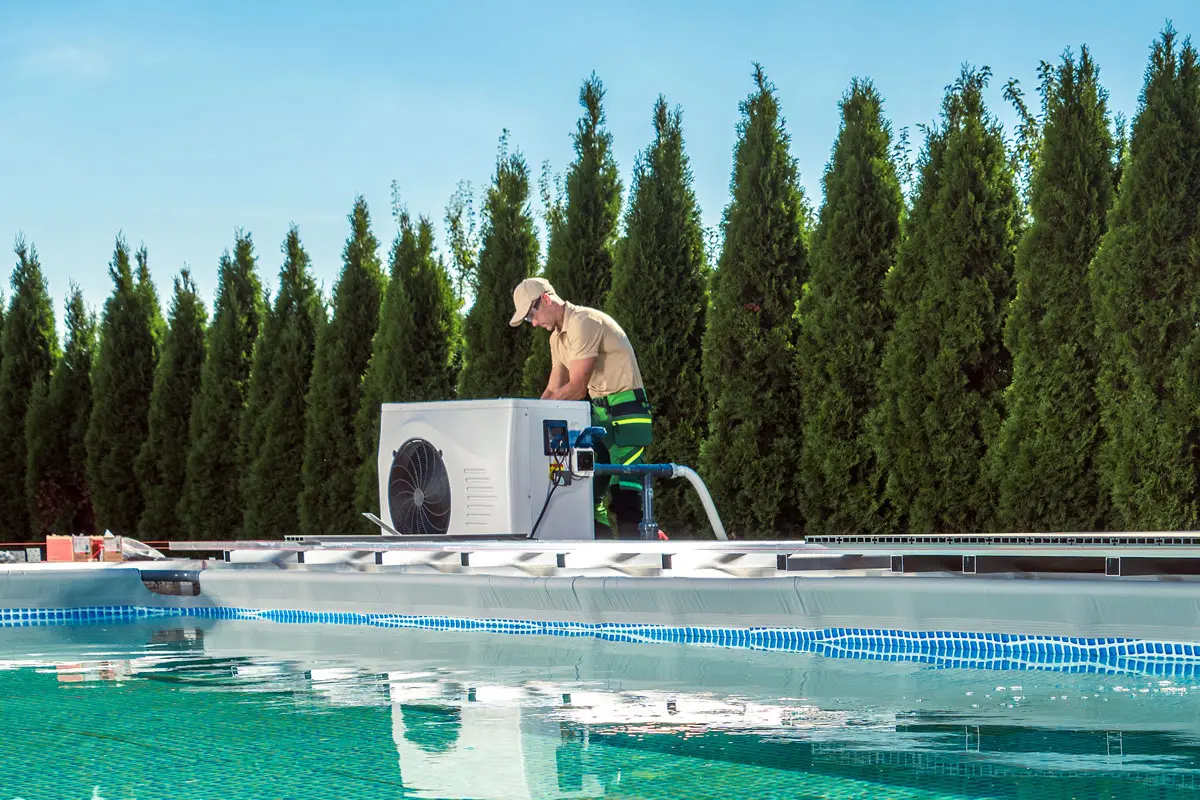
[{"x": 591, "y": 358}]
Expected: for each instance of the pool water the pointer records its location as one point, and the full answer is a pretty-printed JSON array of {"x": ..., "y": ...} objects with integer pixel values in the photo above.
[{"x": 237, "y": 709}]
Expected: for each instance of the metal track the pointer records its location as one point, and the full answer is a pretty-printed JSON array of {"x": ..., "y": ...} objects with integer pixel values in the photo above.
[{"x": 1111, "y": 556}]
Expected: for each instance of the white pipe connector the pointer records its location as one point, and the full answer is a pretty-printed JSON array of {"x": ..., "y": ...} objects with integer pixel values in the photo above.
[{"x": 714, "y": 519}]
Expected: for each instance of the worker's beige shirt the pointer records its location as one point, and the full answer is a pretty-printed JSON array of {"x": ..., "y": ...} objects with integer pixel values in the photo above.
[{"x": 587, "y": 332}]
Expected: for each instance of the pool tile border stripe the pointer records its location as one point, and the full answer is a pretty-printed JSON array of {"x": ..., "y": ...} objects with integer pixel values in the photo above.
[{"x": 942, "y": 648}]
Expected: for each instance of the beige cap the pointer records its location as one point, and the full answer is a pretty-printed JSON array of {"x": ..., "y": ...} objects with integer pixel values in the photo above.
[{"x": 526, "y": 292}]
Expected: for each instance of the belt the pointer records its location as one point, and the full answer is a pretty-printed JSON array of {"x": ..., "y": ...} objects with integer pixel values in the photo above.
[{"x": 612, "y": 401}]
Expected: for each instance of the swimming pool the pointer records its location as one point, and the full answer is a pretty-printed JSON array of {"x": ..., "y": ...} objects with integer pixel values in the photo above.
[
  {"x": 192, "y": 707},
  {"x": 649, "y": 675}
]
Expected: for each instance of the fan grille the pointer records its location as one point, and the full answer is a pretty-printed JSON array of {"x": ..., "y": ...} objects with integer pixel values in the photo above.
[{"x": 419, "y": 490}]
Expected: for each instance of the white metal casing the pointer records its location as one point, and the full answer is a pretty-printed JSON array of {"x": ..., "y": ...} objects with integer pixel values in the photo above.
[{"x": 494, "y": 456}]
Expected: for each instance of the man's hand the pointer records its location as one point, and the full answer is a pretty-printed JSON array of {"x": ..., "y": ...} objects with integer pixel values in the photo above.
[
  {"x": 558, "y": 379},
  {"x": 576, "y": 387}
]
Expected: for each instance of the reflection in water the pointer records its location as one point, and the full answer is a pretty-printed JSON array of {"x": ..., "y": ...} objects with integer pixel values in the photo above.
[
  {"x": 242, "y": 710},
  {"x": 591, "y": 743}
]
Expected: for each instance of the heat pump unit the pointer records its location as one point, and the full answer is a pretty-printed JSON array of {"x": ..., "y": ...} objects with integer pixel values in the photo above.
[{"x": 479, "y": 468}]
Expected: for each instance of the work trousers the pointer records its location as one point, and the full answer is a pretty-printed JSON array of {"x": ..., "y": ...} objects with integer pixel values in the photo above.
[{"x": 628, "y": 431}]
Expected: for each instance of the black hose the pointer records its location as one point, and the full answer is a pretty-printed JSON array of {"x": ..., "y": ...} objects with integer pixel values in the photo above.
[
  {"x": 549, "y": 494},
  {"x": 545, "y": 505}
]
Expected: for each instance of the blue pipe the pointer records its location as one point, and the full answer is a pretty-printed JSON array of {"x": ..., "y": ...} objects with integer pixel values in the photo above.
[
  {"x": 635, "y": 469},
  {"x": 648, "y": 528}
]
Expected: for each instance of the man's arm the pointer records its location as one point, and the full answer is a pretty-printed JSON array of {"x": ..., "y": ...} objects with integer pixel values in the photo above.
[
  {"x": 558, "y": 378},
  {"x": 585, "y": 337},
  {"x": 576, "y": 387}
]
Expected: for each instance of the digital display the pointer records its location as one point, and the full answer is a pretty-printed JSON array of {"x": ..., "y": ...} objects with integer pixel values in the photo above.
[{"x": 554, "y": 436}]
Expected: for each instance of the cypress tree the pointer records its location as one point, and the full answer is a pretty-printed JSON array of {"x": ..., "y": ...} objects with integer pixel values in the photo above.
[
  {"x": 122, "y": 380},
  {"x": 496, "y": 353},
  {"x": 593, "y": 206},
  {"x": 554, "y": 212},
  {"x": 659, "y": 295},
  {"x": 435, "y": 340},
  {"x": 584, "y": 273},
  {"x": 1045, "y": 457},
  {"x": 944, "y": 364},
  {"x": 211, "y": 504},
  {"x": 272, "y": 436},
  {"x": 162, "y": 460},
  {"x": 750, "y": 455},
  {"x": 343, "y": 350},
  {"x": 29, "y": 344},
  {"x": 842, "y": 322},
  {"x": 1145, "y": 285},
  {"x": 56, "y": 465},
  {"x": 413, "y": 355}
]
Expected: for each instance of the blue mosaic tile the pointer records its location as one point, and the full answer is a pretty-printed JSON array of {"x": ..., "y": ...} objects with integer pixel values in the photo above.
[{"x": 965, "y": 649}]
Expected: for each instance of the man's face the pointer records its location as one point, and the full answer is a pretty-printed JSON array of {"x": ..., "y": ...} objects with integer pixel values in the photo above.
[{"x": 539, "y": 314}]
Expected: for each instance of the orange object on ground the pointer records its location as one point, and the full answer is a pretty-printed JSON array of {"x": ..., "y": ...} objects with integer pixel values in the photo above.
[
  {"x": 83, "y": 548},
  {"x": 59, "y": 548}
]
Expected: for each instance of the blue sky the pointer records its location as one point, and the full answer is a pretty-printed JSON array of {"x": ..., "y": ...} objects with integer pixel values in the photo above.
[{"x": 177, "y": 123}]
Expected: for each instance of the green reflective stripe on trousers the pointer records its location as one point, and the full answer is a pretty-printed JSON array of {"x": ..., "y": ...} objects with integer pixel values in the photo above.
[
  {"x": 627, "y": 461},
  {"x": 632, "y": 421}
]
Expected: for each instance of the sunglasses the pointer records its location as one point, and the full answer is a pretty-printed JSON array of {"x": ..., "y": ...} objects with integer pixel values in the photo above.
[{"x": 532, "y": 309}]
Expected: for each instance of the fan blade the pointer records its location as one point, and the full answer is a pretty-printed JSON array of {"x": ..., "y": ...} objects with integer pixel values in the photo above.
[
  {"x": 438, "y": 488},
  {"x": 410, "y": 519},
  {"x": 401, "y": 482},
  {"x": 420, "y": 465}
]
